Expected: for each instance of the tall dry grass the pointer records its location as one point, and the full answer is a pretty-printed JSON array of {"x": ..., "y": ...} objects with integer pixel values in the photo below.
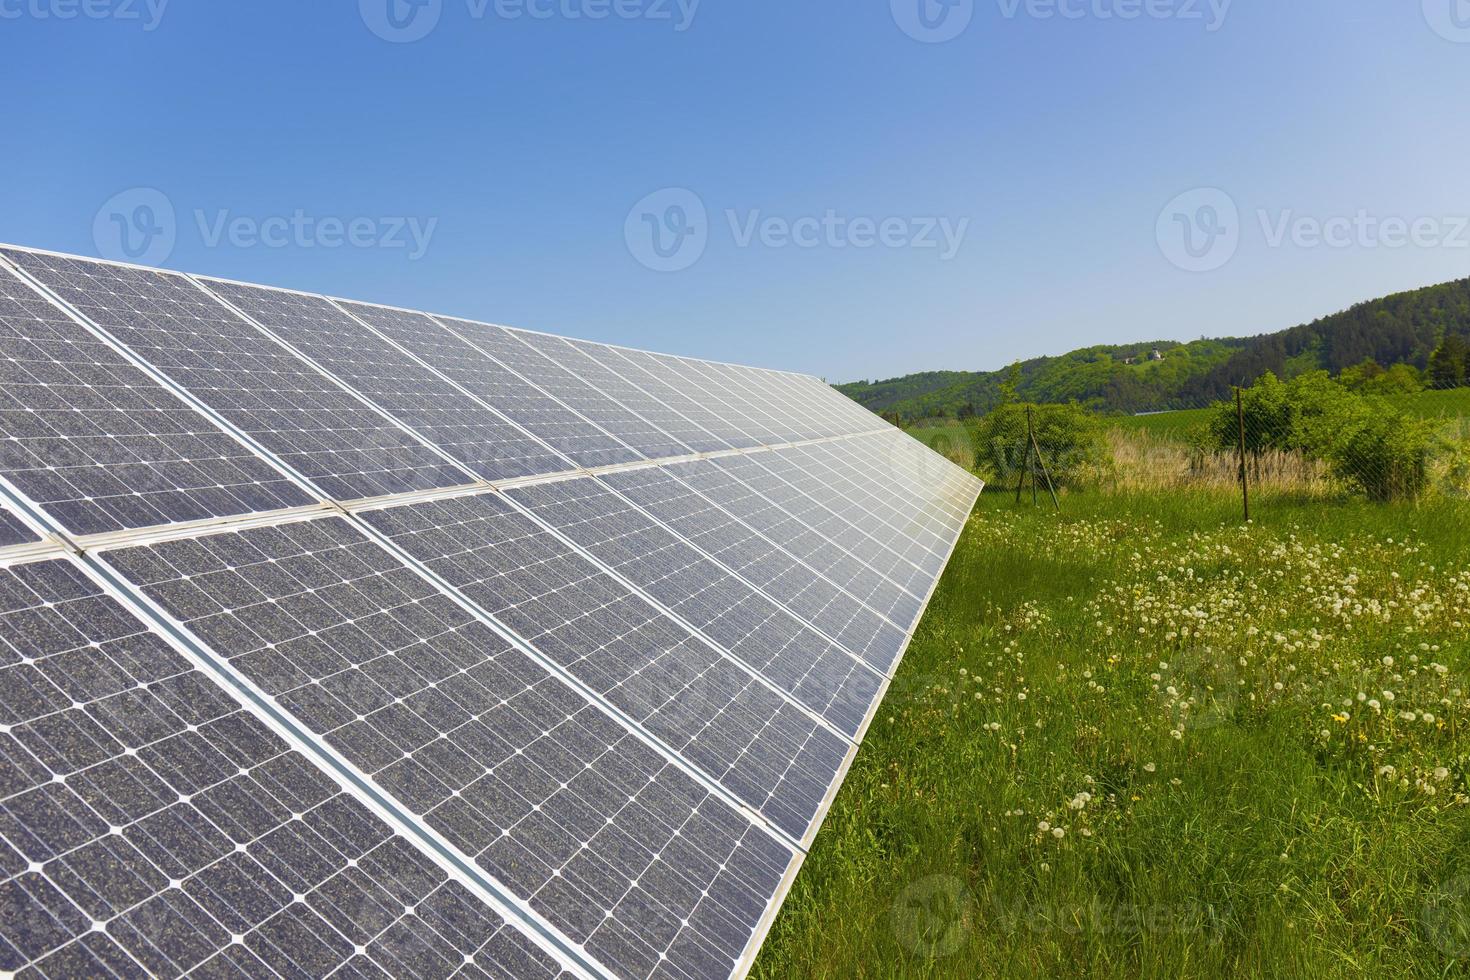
[{"x": 1143, "y": 461}]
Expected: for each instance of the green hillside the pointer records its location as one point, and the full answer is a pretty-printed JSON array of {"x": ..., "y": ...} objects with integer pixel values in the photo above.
[{"x": 1399, "y": 329}]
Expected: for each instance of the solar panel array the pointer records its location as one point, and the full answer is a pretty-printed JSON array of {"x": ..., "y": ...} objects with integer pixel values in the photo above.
[{"x": 344, "y": 640}]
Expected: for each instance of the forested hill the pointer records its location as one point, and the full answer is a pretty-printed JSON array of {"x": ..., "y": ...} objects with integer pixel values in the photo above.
[{"x": 1400, "y": 329}]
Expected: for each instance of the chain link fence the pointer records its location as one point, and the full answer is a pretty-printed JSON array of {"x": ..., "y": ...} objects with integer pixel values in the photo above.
[{"x": 1311, "y": 437}]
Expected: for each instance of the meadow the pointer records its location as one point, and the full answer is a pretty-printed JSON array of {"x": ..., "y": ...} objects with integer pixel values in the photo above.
[{"x": 1138, "y": 739}]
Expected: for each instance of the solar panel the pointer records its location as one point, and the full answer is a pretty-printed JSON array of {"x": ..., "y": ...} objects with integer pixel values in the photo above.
[
  {"x": 701, "y": 705},
  {"x": 761, "y": 561},
  {"x": 345, "y": 448},
  {"x": 682, "y": 435},
  {"x": 724, "y": 420},
  {"x": 99, "y": 446},
  {"x": 13, "y": 530},
  {"x": 494, "y": 384},
  {"x": 150, "y": 826},
  {"x": 777, "y": 510},
  {"x": 569, "y": 810},
  {"x": 510, "y": 349},
  {"x": 387, "y": 376},
  {"x": 760, "y": 633},
  {"x": 314, "y": 698},
  {"x": 712, "y": 435}
]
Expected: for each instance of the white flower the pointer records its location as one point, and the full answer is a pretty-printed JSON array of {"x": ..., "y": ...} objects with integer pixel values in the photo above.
[
  {"x": 1388, "y": 661},
  {"x": 1441, "y": 774},
  {"x": 1058, "y": 833},
  {"x": 1043, "y": 826},
  {"x": 1150, "y": 767}
]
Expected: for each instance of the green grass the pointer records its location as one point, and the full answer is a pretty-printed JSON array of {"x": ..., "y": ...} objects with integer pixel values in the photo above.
[
  {"x": 1452, "y": 404},
  {"x": 1265, "y": 839}
]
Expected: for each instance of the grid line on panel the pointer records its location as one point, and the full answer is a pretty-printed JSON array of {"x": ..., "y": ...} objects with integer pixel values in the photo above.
[
  {"x": 514, "y": 349},
  {"x": 495, "y": 344},
  {"x": 763, "y": 563},
  {"x": 605, "y": 568},
  {"x": 806, "y": 667},
  {"x": 461, "y": 428},
  {"x": 733, "y": 394},
  {"x": 833, "y": 514},
  {"x": 745, "y": 387},
  {"x": 150, "y": 825},
  {"x": 472, "y": 737},
  {"x": 757, "y": 585},
  {"x": 783, "y": 515},
  {"x": 492, "y": 384},
  {"x": 689, "y": 697},
  {"x": 620, "y": 389},
  {"x": 343, "y": 446},
  {"x": 98, "y": 444},
  {"x": 674, "y": 388}
]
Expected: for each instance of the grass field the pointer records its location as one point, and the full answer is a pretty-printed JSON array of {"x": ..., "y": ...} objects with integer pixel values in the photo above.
[
  {"x": 1138, "y": 740},
  {"x": 1452, "y": 404}
]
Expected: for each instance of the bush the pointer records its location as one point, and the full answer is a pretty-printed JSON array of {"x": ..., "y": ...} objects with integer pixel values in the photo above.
[
  {"x": 1070, "y": 437},
  {"x": 1369, "y": 445}
]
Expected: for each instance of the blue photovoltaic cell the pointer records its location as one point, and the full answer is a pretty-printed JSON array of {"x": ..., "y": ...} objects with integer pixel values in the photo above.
[
  {"x": 98, "y": 444},
  {"x": 614, "y": 845},
  {"x": 682, "y": 435},
  {"x": 445, "y": 416},
  {"x": 701, "y": 705},
  {"x": 762, "y": 500},
  {"x": 760, "y": 633},
  {"x": 710, "y": 433},
  {"x": 563, "y": 430},
  {"x": 320, "y": 430},
  {"x": 510, "y": 347},
  {"x": 662, "y": 376},
  {"x": 149, "y": 827},
  {"x": 758, "y": 395},
  {"x": 761, "y": 561},
  {"x": 716, "y": 381},
  {"x": 13, "y": 531}
]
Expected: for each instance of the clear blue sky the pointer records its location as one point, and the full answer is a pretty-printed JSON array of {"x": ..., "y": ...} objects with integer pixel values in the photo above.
[{"x": 520, "y": 146}]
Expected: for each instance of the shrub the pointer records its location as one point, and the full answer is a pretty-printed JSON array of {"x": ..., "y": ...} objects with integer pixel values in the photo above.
[
  {"x": 1070, "y": 437},
  {"x": 1369, "y": 445}
]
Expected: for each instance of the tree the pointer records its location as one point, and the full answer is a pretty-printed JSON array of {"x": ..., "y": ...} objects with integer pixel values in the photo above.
[
  {"x": 1449, "y": 362},
  {"x": 1071, "y": 438}
]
